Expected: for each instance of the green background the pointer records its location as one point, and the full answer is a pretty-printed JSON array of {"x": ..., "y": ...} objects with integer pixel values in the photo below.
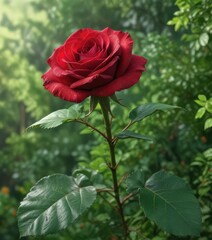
[{"x": 175, "y": 37}]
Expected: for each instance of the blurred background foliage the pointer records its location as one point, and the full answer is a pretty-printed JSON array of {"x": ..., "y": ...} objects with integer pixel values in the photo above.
[{"x": 175, "y": 37}]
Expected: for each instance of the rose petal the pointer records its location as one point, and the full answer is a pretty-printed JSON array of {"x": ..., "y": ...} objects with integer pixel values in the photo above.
[
  {"x": 50, "y": 76},
  {"x": 91, "y": 82},
  {"x": 78, "y": 73},
  {"x": 109, "y": 69},
  {"x": 98, "y": 78},
  {"x": 76, "y": 42},
  {"x": 89, "y": 64},
  {"x": 62, "y": 91},
  {"x": 58, "y": 58},
  {"x": 113, "y": 50},
  {"x": 130, "y": 77},
  {"x": 126, "y": 44}
]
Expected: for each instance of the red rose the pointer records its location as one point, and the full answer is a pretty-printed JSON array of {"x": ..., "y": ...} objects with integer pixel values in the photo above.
[{"x": 93, "y": 63}]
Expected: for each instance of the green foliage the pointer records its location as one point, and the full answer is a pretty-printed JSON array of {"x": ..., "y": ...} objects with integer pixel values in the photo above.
[
  {"x": 135, "y": 181},
  {"x": 143, "y": 111},
  {"x": 65, "y": 191},
  {"x": 195, "y": 16},
  {"x": 206, "y": 106},
  {"x": 53, "y": 203},
  {"x": 165, "y": 199},
  {"x": 128, "y": 134},
  {"x": 59, "y": 117},
  {"x": 8, "y": 206},
  {"x": 176, "y": 71}
]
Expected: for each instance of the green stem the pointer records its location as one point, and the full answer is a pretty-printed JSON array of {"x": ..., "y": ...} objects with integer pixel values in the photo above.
[
  {"x": 113, "y": 165},
  {"x": 90, "y": 126}
]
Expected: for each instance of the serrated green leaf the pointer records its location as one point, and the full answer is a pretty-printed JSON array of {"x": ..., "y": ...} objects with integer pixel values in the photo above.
[
  {"x": 200, "y": 113},
  {"x": 74, "y": 112},
  {"x": 169, "y": 201},
  {"x": 135, "y": 181},
  {"x": 203, "y": 39},
  {"x": 208, "y": 123},
  {"x": 128, "y": 134},
  {"x": 146, "y": 110},
  {"x": 54, "y": 203},
  {"x": 58, "y": 117}
]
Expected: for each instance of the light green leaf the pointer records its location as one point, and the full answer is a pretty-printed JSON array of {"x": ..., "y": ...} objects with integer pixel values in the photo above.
[
  {"x": 135, "y": 181},
  {"x": 59, "y": 117},
  {"x": 169, "y": 201},
  {"x": 202, "y": 104},
  {"x": 208, "y": 105},
  {"x": 202, "y": 97},
  {"x": 53, "y": 203},
  {"x": 208, "y": 154},
  {"x": 200, "y": 113},
  {"x": 146, "y": 110},
  {"x": 208, "y": 123},
  {"x": 74, "y": 112},
  {"x": 203, "y": 39},
  {"x": 129, "y": 134}
]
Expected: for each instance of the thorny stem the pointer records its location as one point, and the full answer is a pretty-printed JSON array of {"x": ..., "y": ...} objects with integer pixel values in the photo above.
[{"x": 113, "y": 165}]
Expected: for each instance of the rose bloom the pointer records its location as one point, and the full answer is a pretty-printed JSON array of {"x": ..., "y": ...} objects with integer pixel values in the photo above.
[{"x": 93, "y": 63}]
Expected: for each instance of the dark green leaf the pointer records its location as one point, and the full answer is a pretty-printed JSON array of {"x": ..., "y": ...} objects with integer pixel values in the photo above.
[
  {"x": 135, "y": 181},
  {"x": 146, "y": 110},
  {"x": 129, "y": 134},
  {"x": 94, "y": 177},
  {"x": 115, "y": 99},
  {"x": 93, "y": 104},
  {"x": 53, "y": 203},
  {"x": 59, "y": 117},
  {"x": 169, "y": 201}
]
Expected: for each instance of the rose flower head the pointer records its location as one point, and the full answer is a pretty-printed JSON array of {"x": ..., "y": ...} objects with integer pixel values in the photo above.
[{"x": 93, "y": 63}]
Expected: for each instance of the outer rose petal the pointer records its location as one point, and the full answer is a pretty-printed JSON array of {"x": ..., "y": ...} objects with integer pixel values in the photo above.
[
  {"x": 126, "y": 44},
  {"x": 65, "y": 92},
  {"x": 49, "y": 76},
  {"x": 131, "y": 76},
  {"x": 58, "y": 58}
]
